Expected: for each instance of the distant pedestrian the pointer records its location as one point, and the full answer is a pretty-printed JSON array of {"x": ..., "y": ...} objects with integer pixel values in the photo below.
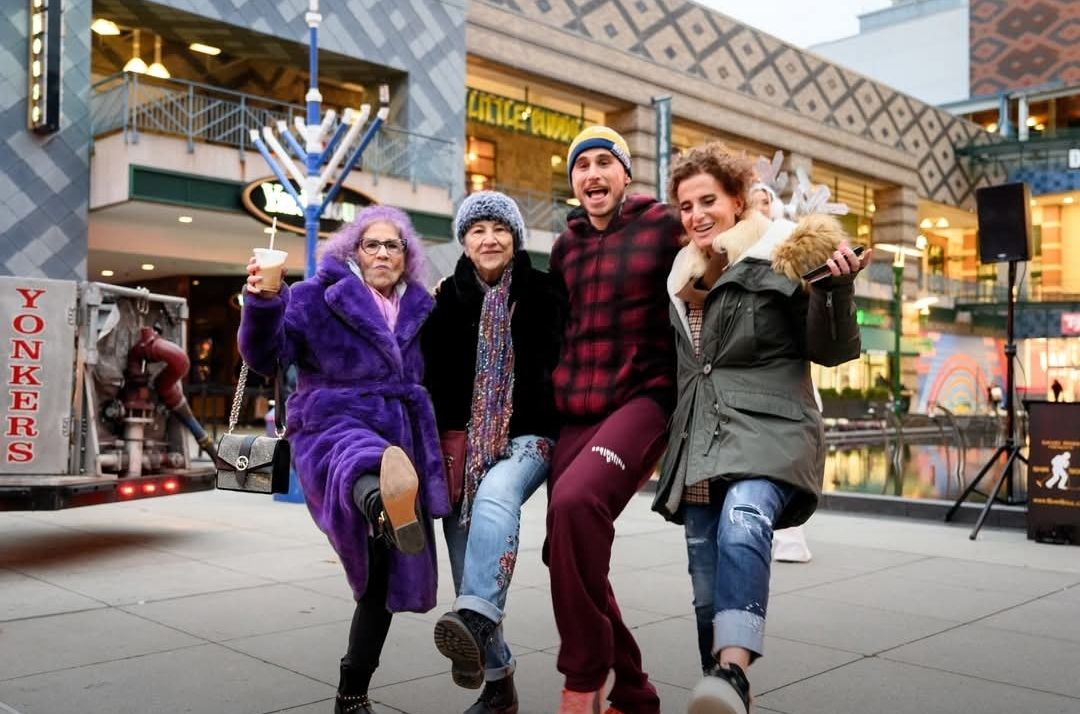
[{"x": 1057, "y": 389}]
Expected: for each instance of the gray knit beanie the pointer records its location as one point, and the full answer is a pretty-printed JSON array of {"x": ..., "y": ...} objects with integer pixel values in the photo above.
[{"x": 490, "y": 206}]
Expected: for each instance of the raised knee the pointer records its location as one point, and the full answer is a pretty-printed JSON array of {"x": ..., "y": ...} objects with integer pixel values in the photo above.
[
  {"x": 744, "y": 521},
  {"x": 567, "y": 504}
]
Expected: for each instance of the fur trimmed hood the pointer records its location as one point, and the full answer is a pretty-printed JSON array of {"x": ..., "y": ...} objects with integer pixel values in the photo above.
[{"x": 791, "y": 248}]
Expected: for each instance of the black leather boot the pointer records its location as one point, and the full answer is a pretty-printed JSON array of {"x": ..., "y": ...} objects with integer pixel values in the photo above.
[
  {"x": 352, "y": 697},
  {"x": 388, "y": 502},
  {"x": 462, "y": 637},
  {"x": 498, "y": 697}
]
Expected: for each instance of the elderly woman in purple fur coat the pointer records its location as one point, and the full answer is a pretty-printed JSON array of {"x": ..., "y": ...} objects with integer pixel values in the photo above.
[{"x": 360, "y": 423}]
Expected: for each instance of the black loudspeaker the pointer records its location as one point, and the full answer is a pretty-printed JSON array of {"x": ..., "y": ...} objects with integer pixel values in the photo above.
[{"x": 1004, "y": 223}]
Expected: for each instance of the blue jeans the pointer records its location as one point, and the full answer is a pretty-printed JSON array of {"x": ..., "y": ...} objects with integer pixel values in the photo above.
[
  {"x": 729, "y": 547},
  {"x": 482, "y": 557}
]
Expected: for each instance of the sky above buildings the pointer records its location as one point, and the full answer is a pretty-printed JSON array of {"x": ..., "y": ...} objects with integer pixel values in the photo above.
[{"x": 800, "y": 22}]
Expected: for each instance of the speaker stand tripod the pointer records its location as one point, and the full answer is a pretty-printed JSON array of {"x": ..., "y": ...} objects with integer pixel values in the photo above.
[{"x": 1010, "y": 449}]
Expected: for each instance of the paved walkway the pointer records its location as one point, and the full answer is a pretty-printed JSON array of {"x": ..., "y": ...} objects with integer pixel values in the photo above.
[{"x": 221, "y": 603}]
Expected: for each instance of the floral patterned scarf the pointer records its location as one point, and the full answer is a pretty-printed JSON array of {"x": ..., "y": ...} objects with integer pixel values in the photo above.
[{"x": 492, "y": 399}]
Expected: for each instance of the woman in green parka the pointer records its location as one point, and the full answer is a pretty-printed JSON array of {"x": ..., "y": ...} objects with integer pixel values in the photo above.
[{"x": 746, "y": 452}]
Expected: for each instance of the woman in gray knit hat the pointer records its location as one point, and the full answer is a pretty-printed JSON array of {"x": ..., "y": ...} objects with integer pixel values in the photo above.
[{"x": 490, "y": 346}]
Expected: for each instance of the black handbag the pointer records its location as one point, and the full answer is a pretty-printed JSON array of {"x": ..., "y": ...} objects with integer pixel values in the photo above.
[{"x": 249, "y": 462}]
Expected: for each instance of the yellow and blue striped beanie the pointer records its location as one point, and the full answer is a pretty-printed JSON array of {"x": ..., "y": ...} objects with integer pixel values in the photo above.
[{"x": 598, "y": 137}]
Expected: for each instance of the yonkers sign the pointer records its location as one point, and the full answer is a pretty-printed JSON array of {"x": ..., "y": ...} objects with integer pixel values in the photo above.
[{"x": 267, "y": 199}]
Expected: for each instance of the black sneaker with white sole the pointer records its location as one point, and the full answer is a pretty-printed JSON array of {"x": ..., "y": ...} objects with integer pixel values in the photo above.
[{"x": 724, "y": 690}]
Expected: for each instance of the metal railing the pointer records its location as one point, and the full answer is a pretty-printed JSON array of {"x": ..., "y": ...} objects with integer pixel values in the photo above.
[
  {"x": 1037, "y": 152},
  {"x": 201, "y": 113},
  {"x": 967, "y": 291}
]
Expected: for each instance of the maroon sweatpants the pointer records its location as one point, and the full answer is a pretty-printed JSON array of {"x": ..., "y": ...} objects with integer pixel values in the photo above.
[{"x": 596, "y": 469}]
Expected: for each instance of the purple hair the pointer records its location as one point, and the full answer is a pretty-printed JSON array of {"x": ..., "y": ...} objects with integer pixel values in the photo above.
[{"x": 345, "y": 241}]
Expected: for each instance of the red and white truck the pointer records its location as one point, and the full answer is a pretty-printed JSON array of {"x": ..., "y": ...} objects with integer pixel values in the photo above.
[{"x": 93, "y": 409}]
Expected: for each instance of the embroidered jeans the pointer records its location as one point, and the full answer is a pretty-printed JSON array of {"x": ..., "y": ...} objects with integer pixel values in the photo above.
[
  {"x": 482, "y": 557},
  {"x": 729, "y": 546}
]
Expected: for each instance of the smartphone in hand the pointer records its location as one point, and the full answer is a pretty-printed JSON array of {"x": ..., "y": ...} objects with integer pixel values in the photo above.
[{"x": 822, "y": 271}]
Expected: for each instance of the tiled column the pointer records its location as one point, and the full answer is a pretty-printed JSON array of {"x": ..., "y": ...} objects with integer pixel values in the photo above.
[
  {"x": 1051, "y": 251},
  {"x": 638, "y": 126},
  {"x": 793, "y": 162},
  {"x": 45, "y": 197},
  {"x": 896, "y": 222}
]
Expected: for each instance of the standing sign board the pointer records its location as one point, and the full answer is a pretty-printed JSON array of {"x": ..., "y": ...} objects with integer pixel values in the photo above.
[
  {"x": 37, "y": 337},
  {"x": 1054, "y": 473}
]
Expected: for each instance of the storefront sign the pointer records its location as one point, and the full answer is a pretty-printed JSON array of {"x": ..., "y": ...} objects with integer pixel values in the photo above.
[
  {"x": 1074, "y": 158},
  {"x": 267, "y": 198},
  {"x": 1054, "y": 474},
  {"x": 1070, "y": 323},
  {"x": 522, "y": 117},
  {"x": 663, "y": 144},
  {"x": 43, "y": 68}
]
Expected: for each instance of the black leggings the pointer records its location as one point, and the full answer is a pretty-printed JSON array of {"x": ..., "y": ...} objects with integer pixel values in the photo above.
[{"x": 371, "y": 619}]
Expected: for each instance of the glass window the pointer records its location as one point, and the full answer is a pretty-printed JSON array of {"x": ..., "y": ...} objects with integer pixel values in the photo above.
[{"x": 479, "y": 165}]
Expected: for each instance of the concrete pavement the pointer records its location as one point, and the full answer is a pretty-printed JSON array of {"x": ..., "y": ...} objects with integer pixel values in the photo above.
[{"x": 225, "y": 603}]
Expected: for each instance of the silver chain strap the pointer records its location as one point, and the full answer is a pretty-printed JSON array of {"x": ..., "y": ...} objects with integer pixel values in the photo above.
[{"x": 238, "y": 400}]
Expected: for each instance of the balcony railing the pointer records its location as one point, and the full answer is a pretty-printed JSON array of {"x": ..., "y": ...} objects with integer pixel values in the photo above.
[
  {"x": 1049, "y": 152},
  {"x": 966, "y": 291},
  {"x": 201, "y": 113}
]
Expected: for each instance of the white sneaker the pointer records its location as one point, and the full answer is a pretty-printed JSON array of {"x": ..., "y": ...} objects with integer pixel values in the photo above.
[
  {"x": 789, "y": 546},
  {"x": 724, "y": 690}
]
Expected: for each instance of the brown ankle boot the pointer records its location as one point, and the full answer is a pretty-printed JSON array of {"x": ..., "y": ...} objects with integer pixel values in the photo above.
[
  {"x": 398, "y": 486},
  {"x": 388, "y": 502}
]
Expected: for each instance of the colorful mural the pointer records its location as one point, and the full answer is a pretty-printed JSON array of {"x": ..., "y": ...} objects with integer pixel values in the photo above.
[{"x": 958, "y": 371}]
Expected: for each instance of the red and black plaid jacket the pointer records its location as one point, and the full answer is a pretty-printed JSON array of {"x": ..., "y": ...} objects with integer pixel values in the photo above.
[{"x": 618, "y": 341}]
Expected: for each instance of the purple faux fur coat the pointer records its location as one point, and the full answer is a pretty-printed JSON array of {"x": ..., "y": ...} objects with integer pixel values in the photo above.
[{"x": 359, "y": 390}]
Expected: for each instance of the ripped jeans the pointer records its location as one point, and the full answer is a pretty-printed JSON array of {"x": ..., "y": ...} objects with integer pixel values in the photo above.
[{"x": 729, "y": 546}]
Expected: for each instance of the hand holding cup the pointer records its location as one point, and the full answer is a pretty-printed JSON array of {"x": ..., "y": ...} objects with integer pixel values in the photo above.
[{"x": 263, "y": 278}]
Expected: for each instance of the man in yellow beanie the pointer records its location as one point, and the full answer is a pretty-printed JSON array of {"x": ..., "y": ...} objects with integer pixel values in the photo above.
[{"x": 614, "y": 389}]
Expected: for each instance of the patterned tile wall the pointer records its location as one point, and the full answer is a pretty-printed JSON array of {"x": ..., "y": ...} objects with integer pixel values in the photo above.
[
  {"x": 44, "y": 180},
  {"x": 1023, "y": 43},
  {"x": 692, "y": 40},
  {"x": 424, "y": 38}
]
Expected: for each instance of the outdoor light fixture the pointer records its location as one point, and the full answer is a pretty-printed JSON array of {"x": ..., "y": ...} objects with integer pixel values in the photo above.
[
  {"x": 923, "y": 303},
  {"x": 157, "y": 69},
  {"x": 1067, "y": 199},
  {"x": 205, "y": 49},
  {"x": 102, "y": 26},
  {"x": 147, "y": 266},
  {"x": 107, "y": 273},
  {"x": 135, "y": 64},
  {"x": 899, "y": 250},
  {"x": 899, "y": 253},
  {"x": 942, "y": 222},
  {"x": 185, "y": 219},
  {"x": 43, "y": 76},
  {"x": 926, "y": 223}
]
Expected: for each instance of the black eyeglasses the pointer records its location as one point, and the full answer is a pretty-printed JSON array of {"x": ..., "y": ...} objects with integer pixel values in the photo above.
[{"x": 393, "y": 247}]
